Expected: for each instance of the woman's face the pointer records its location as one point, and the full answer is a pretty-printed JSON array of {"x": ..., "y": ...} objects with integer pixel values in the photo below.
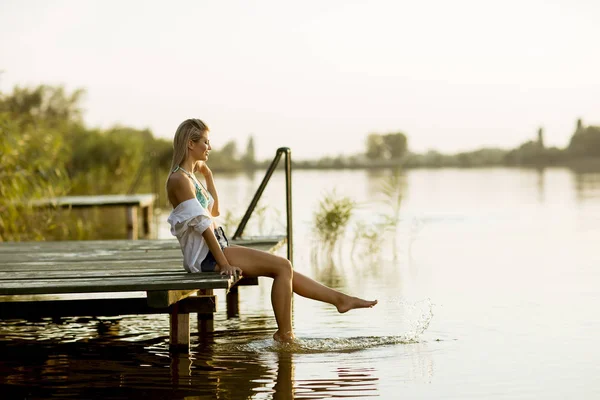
[{"x": 201, "y": 148}]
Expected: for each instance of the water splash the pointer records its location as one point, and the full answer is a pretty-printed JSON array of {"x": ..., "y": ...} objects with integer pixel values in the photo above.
[
  {"x": 418, "y": 315},
  {"x": 323, "y": 345},
  {"x": 416, "y": 327}
]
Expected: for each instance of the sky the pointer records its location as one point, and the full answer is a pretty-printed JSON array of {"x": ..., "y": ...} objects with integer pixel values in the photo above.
[{"x": 318, "y": 76}]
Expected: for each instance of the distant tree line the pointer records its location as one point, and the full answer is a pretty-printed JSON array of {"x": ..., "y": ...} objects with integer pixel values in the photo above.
[
  {"x": 391, "y": 146},
  {"x": 43, "y": 132},
  {"x": 93, "y": 160},
  {"x": 391, "y": 150},
  {"x": 583, "y": 147}
]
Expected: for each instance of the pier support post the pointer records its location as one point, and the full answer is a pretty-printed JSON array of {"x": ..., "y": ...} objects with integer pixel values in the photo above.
[
  {"x": 132, "y": 223},
  {"x": 206, "y": 322},
  {"x": 233, "y": 302},
  {"x": 179, "y": 334},
  {"x": 181, "y": 370},
  {"x": 147, "y": 220}
]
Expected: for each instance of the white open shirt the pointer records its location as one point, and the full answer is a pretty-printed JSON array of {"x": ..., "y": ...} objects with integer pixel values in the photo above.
[{"x": 188, "y": 221}]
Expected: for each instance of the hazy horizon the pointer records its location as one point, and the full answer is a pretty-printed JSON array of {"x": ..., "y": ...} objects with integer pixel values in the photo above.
[{"x": 318, "y": 76}]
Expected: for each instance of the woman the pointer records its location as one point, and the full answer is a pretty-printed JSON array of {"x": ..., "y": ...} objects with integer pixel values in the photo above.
[{"x": 205, "y": 247}]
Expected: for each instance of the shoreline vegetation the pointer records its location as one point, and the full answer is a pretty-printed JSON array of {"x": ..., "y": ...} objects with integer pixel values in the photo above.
[
  {"x": 582, "y": 153},
  {"x": 48, "y": 151}
]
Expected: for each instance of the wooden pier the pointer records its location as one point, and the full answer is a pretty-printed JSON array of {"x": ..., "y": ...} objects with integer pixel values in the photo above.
[
  {"x": 146, "y": 276},
  {"x": 133, "y": 203}
]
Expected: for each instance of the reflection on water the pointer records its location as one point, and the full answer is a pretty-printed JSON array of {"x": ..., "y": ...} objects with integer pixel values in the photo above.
[
  {"x": 506, "y": 259},
  {"x": 325, "y": 270},
  {"x": 587, "y": 185},
  {"x": 144, "y": 369},
  {"x": 541, "y": 184},
  {"x": 128, "y": 357}
]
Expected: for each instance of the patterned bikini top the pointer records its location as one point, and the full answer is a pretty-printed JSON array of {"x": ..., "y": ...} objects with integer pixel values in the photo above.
[{"x": 202, "y": 194}]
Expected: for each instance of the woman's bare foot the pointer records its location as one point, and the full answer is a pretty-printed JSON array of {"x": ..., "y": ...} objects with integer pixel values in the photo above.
[
  {"x": 350, "y": 303},
  {"x": 286, "y": 337}
]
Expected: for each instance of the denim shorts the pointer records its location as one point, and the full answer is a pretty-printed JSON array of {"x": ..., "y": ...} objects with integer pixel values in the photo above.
[{"x": 209, "y": 263}]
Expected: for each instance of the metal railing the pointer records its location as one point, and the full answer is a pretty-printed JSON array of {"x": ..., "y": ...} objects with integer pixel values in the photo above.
[{"x": 288, "y": 198}]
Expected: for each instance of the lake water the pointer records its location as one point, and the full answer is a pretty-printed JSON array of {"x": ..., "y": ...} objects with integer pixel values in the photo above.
[{"x": 489, "y": 288}]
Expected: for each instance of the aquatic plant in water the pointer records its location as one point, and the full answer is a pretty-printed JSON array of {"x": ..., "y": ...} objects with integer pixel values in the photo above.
[
  {"x": 230, "y": 221},
  {"x": 369, "y": 237},
  {"x": 331, "y": 219},
  {"x": 392, "y": 189}
]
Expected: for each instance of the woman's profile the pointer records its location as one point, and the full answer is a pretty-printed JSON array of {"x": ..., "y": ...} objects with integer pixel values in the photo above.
[{"x": 205, "y": 247}]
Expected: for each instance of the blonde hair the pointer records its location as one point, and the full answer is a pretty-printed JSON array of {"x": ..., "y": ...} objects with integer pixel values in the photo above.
[{"x": 190, "y": 129}]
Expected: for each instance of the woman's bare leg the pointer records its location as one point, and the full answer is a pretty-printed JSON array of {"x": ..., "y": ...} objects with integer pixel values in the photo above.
[
  {"x": 259, "y": 263},
  {"x": 306, "y": 287}
]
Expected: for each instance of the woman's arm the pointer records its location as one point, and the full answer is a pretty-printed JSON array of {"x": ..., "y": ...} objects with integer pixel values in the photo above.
[
  {"x": 213, "y": 245},
  {"x": 210, "y": 185}
]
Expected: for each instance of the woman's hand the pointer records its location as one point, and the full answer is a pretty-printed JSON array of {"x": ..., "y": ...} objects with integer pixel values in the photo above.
[
  {"x": 204, "y": 170},
  {"x": 230, "y": 270}
]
